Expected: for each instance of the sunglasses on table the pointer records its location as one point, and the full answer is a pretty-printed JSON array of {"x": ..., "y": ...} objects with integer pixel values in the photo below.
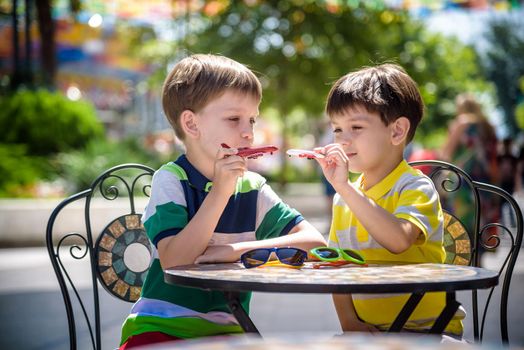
[
  {"x": 338, "y": 256},
  {"x": 291, "y": 257}
]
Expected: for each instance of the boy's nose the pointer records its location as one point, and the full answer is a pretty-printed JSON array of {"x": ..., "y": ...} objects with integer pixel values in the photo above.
[
  {"x": 247, "y": 133},
  {"x": 344, "y": 140}
]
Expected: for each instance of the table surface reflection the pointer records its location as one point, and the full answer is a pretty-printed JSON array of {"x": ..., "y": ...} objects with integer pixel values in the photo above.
[{"x": 343, "y": 279}]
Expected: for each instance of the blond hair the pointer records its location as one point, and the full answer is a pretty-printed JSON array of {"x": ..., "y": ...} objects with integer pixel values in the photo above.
[{"x": 196, "y": 80}]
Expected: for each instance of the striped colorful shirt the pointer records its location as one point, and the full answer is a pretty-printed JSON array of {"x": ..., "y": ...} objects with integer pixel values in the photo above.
[
  {"x": 409, "y": 195},
  {"x": 253, "y": 212}
]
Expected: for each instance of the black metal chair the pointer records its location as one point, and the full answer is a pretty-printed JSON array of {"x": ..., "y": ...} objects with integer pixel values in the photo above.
[
  {"x": 118, "y": 256},
  {"x": 465, "y": 242}
]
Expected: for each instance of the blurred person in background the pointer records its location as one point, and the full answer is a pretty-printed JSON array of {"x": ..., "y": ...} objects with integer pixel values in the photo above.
[
  {"x": 507, "y": 164},
  {"x": 472, "y": 146}
]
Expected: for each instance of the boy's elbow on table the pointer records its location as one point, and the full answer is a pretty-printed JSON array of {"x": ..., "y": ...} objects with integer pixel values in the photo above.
[
  {"x": 398, "y": 247},
  {"x": 403, "y": 242}
]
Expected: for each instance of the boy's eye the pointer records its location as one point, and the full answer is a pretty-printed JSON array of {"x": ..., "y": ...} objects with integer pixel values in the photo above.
[
  {"x": 233, "y": 119},
  {"x": 356, "y": 127},
  {"x": 252, "y": 121},
  {"x": 337, "y": 130}
]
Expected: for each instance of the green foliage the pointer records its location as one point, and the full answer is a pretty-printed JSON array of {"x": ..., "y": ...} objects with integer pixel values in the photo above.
[
  {"x": 47, "y": 122},
  {"x": 504, "y": 65},
  {"x": 20, "y": 172},
  {"x": 300, "y": 48},
  {"x": 519, "y": 109},
  {"x": 81, "y": 167},
  {"x": 519, "y": 115}
]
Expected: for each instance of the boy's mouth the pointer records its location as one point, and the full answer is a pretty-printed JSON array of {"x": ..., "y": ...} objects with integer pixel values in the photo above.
[{"x": 351, "y": 154}]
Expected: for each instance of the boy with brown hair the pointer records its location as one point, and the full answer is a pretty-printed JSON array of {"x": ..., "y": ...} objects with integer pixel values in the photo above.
[
  {"x": 206, "y": 206},
  {"x": 392, "y": 212}
]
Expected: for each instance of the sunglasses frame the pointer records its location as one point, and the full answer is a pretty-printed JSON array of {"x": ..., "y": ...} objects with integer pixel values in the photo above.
[
  {"x": 340, "y": 254},
  {"x": 243, "y": 257}
]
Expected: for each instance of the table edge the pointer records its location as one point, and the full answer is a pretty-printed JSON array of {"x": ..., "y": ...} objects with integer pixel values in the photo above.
[{"x": 408, "y": 287}]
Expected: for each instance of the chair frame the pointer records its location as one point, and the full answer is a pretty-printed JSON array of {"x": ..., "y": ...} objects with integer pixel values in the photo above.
[
  {"x": 77, "y": 251},
  {"x": 506, "y": 269}
]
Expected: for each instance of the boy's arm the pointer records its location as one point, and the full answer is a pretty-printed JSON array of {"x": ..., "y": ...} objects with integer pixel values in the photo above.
[
  {"x": 192, "y": 240},
  {"x": 303, "y": 236},
  {"x": 394, "y": 234},
  {"x": 347, "y": 316}
]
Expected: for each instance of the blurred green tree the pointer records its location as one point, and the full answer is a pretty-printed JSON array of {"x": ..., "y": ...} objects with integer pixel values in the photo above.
[
  {"x": 46, "y": 122},
  {"x": 300, "y": 47},
  {"x": 504, "y": 65}
]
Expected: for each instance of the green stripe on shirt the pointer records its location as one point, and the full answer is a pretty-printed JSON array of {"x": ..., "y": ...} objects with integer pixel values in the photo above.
[
  {"x": 275, "y": 220},
  {"x": 181, "y": 327},
  {"x": 167, "y": 216}
]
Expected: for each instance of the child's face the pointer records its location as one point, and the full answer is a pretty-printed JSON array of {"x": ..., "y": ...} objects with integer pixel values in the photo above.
[
  {"x": 228, "y": 119},
  {"x": 365, "y": 139}
]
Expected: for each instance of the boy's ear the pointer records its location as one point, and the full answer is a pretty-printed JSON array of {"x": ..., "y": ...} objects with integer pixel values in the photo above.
[
  {"x": 188, "y": 123},
  {"x": 399, "y": 130}
]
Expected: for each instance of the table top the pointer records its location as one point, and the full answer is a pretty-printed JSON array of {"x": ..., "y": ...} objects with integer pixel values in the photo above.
[{"x": 343, "y": 279}]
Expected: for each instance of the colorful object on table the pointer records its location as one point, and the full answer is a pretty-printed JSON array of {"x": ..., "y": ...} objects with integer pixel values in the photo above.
[
  {"x": 288, "y": 257},
  {"x": 337, "y": 255},
  {"x": 303, "y": 153},
  {"x": 253, "y": 152},
  {"x": 339, "y": 263}
]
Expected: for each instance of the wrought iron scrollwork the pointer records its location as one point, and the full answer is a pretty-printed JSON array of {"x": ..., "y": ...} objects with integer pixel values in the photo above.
[
  {"x": 144, "y": 187},
  {"x": 73, "y": 250},
  {"x": 447, "y": 183},
  {"x": 489, "y": 240},
  {"x": 111, "y": 192},
  {"x": 73, "y": 247}
]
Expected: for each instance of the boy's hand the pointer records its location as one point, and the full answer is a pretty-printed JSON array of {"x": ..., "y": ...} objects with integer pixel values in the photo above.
[
  {"x": 228, "y": 168},
  {"x": 335, "y": 165},
  {"x": 218, "y": 254}
]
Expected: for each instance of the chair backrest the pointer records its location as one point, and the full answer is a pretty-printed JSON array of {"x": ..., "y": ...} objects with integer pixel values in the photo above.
[
  {"x": 473, "y": 225},
  {"x": 457, "y": 241},
  {"x": 118, "y": 255}
]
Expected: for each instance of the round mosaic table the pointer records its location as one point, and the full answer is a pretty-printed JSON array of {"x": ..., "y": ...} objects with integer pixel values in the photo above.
[
  {"x": 342, "y": 279},
  {"x": 416, "y": 279}
]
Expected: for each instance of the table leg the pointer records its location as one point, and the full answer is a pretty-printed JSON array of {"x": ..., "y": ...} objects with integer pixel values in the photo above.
[
  {"x": 406, "y": 311},
  {"x": 240, "y": 314},
  {"x": 446, "y": 315}
]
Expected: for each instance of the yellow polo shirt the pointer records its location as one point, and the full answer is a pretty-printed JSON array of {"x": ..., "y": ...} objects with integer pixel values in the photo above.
[{"x": 409, "y": 195}]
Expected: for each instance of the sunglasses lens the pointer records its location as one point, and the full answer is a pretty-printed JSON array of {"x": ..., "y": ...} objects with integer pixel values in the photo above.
[
  {"x": 255, "y": 257},
  {"x": 291, "y": 256},
  {"x": 326, "y": 253},
  {"x": 354, "y": 255}
]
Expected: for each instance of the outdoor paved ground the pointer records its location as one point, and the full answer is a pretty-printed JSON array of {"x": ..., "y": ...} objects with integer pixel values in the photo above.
[{"x": 32, "y": 315}]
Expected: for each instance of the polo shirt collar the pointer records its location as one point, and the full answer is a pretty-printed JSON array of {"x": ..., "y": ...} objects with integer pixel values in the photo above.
[
  {"x": 383, "y": 187},
  {"x": 194, "y": 177}
]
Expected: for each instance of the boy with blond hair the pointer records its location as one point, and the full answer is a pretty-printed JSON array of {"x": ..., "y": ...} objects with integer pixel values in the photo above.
[
  {"x": 206, "y": 206},
  {"x": 392, "y": 212}
]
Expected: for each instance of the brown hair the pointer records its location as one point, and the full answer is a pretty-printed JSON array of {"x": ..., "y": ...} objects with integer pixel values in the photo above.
[
  {"x": 385, "y": 89},
  {"x": 196, "y": 80},
  {"x": 467, "y": 106}
]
